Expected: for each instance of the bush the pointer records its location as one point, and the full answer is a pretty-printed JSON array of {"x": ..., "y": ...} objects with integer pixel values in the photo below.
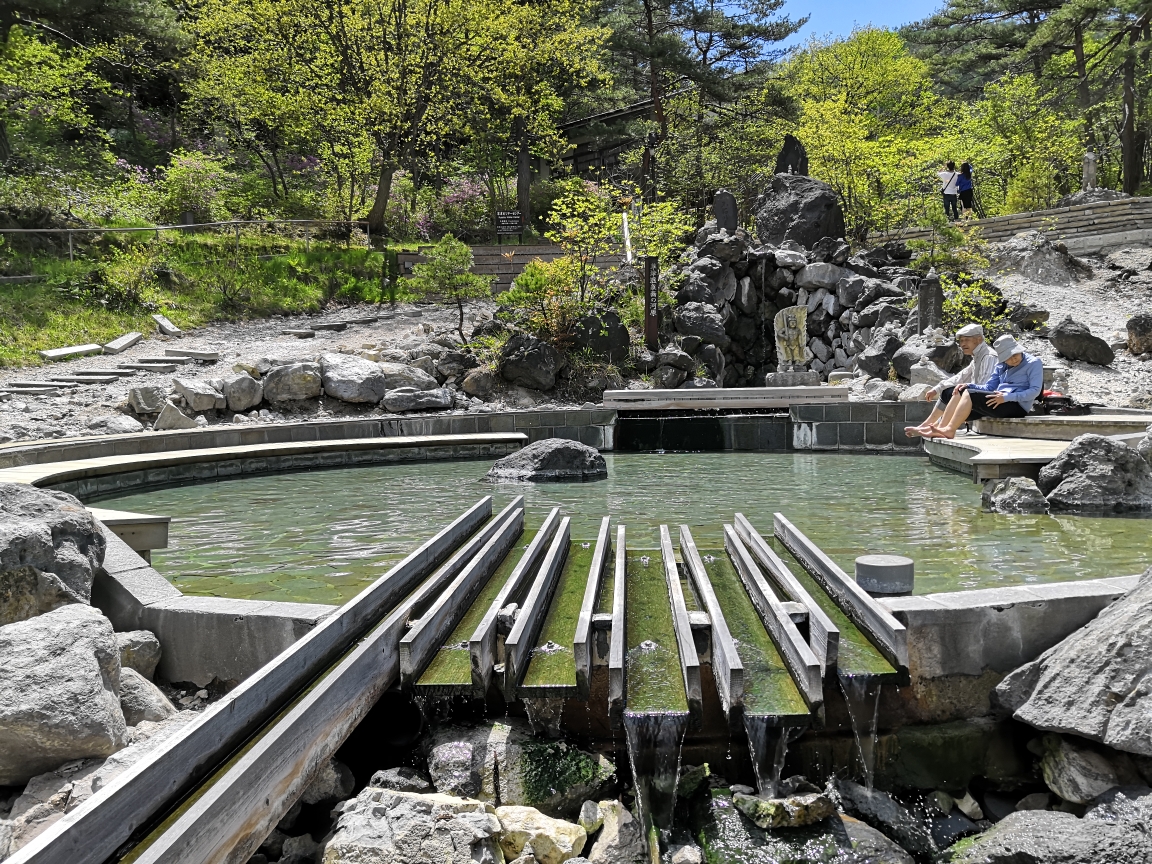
[
  {"x": 193, "y": 184},
  {"x": 445, "y": 273}
]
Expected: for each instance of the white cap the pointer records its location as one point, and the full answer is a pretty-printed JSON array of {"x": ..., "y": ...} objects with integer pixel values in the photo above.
[
  {"x": 970, "y": 330},
  {"x": 1005, "y": 347}
]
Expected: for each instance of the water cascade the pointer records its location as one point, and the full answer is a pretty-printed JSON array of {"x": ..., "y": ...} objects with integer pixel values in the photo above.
[{"x": 862, "y": 695}]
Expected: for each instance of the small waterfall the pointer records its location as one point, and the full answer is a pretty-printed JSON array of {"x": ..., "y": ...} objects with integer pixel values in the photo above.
[
  {"x": 768, "y": 744},
  {"x": 654, "y": 741},
  {"x": 862, "y": 693}
]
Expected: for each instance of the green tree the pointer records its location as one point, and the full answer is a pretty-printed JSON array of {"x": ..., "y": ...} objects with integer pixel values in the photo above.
[{"x": 446, "y": 274}]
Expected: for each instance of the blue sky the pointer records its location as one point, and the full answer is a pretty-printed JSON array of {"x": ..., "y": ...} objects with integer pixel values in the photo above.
[{"x": 838, "y": 17}]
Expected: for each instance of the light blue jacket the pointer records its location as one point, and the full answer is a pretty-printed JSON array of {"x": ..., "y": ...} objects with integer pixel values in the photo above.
[{"x": 1020, "y": 383}]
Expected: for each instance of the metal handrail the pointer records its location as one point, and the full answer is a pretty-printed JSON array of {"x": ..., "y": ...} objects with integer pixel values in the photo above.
[{"x": 186, "y": 227}]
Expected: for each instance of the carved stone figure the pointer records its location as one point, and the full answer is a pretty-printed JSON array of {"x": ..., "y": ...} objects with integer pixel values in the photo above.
[
  {"x": 791, "y": 325},
  {"x": 724, "y": 208},
  {"x": 1090, "y": 160}
]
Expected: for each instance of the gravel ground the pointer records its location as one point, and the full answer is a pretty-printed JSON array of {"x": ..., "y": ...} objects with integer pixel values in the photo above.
[
  {"x": 1104, "y": 303},
  {"x": 81, "y": 410}
]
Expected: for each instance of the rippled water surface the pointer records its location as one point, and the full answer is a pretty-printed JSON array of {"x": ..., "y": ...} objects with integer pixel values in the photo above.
[{"x": 320, "y": 536}]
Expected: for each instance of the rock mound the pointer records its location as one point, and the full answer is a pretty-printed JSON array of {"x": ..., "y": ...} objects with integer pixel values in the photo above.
[
  {"x": 1048, "y": 837},
  {"x": 1098, "y": 474},
  {"x": 1034, "y": 256},
  {"x": 1091, "y": 196},
  {"x": 59, "y": 692},
  {"x": 530, "y": 362},
  {"x": 798, "y": 208},
  {"x": 1093, "y": 684},
  {"x": 1076, "y": 342},
  {"x": 353, "y": 379},
  {"x": 50, "y": 549},
  {"x": 550, "y": 460}
]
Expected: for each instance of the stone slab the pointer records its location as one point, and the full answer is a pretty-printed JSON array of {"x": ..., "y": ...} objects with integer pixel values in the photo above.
[
  {"x": 149, "y": 367},
  {"x": 166, "y": 327},
  {"x": 85, "y": 379},
  {"x": 123, "y": 343},
  {"x": 335, "y": 326},
  {"x": 299, "y": 334},
  {"x": 206, "y": 356},
  {"x": 178, "y": 360},
  {"x": 70, "y": 352}
]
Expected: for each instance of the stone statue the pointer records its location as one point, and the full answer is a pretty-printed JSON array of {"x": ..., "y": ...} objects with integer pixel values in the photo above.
[
  {"x": 793, "y": 158},
  {"x": 1089, "y": 182},
  {"x": 791, "y": 326},
  {"x": 724, "y": 209}
]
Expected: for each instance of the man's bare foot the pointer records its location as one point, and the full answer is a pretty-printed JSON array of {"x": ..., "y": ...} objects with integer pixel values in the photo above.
[
  {"x": 941, "y": 432},
  {"x": 917, "y": 431}
]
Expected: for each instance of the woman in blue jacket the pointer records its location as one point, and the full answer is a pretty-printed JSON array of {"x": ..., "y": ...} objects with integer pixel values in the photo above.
[
  {"x": 1015, "y": 383},
  {"x": 965, "y": 190}
]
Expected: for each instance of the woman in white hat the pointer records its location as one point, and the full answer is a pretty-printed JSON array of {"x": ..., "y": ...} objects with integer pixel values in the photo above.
[{"x": 1010, "y": 391}]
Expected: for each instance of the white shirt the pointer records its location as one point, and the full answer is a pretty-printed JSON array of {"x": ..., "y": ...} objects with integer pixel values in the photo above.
[
  {"x": 977, "y": 372},
  {"x": 948, "y": 179}
]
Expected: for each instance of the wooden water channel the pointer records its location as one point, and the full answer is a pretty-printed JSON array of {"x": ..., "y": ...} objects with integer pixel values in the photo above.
[{"x": 486, "y": 610}]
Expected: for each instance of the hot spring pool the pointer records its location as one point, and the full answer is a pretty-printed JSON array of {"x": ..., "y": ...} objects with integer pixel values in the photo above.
[{"x": 321, "y": 536}]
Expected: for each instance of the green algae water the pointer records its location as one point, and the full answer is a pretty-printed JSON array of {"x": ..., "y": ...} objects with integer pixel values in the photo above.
[
  {"x": 768, "y": 687},
  {"x": 652, "y": 671},
  {"x": 552, "y": 671},
  {"x": 450, "y": 672},
  {"x": 322, "y": 536}
]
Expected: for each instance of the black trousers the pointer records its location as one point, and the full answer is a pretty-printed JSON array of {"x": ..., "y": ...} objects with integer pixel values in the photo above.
[{"x": 980, "y": 406}]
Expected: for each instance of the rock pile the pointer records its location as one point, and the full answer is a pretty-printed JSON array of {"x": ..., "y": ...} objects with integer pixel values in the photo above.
[{"x": 729, "y": 288}]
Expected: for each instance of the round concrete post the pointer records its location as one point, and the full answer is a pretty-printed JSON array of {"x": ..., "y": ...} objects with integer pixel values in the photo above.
[{"x": 885, "y": 574}]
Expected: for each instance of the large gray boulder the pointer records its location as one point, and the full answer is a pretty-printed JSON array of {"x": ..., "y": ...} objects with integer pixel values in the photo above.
[
  {"x": 701, "y": 320},
  {"x": 397, "y": 375},
  {"x": 799, "y": 208},
  {"x": 147, "y": 400},
  {"x": 621, "y": 839},
  {"x": 603, "y": 334},
  {"x": 1097, "y": 474},
  {"x": 352, "y": 379},
  {"x": 292, "y": 382},
  {"x": 50, "y": 795},
  {"x": 550, "y": 460},
  {"x": 876, "y": 359},
  {"x": 242, "y": 392},
  {"x": 410, "y": 399},
  {"x": 1094, "y": 683},
  {"x": 503, "y": 762},
  {"x": 1013, "y": 495},
  {"x": 387, "y": 825},
  {"x": 50, "y": 549},
  {"x": 1050, "y": 837},
  {"x": 531, "y": 362},
  {"x": 1076, "y": 342},
  {"x": 172, "y": 418},
  {"x": 59, "y": 692},
  {"x": 199, "y": 395}
]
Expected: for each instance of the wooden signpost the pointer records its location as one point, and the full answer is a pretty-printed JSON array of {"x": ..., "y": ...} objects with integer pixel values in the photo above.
[{"x": 651, "y": 301}]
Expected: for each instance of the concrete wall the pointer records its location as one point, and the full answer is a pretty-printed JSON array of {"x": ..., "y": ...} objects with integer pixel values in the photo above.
[
  {"x": 857, "y": 426},
  {"x": 962, "y": 643},
  {"x": 203, "y": 638}
]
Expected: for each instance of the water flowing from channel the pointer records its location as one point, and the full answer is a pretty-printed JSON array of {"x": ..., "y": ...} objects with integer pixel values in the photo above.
[
  {"x": 862, "y": 695},
  {"x": 768, "y": 745},
  {"x": 654, "y": 742}
]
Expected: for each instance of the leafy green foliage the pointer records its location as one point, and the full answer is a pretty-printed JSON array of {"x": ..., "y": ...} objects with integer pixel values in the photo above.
[{"x": 445, "y": 274}]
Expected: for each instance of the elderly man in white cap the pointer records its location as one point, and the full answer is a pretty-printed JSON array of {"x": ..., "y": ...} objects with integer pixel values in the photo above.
[
  {"x": 971, "y": 340},
  {"x": 1009, "y": 392}
]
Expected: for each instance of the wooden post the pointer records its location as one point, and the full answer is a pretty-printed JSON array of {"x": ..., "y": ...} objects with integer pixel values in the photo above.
[
  {"x": 651, "y": 301},
  {"x": 70, "y": 258}
]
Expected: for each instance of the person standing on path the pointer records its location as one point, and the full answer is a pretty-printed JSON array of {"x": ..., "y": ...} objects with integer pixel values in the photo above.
[
  {"x": 949, "y": 178},
  {"x": 965, "y": 190}
]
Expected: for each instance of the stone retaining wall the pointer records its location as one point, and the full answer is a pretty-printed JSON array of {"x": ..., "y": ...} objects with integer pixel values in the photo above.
[{"x": 857, "y": 426}]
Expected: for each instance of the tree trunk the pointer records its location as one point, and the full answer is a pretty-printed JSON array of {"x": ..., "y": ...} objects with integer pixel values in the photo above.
[
  {"x": 1130, "y": 155},
  {"x": 380, "y": 203},
  {"x": 524, "y": 184},
  {"x": 654, "y": 74},
  {"x": 1083, "y": 94},
  {"x": 5, "y": 145}
]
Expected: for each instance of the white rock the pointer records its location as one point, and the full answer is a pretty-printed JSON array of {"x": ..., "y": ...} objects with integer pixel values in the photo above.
[
  {"x": 172, "y": 417},
  {"x": 914, "y": 393},
  {"x": 925, "y": 371},
  {"x": 1074, "y": 773},
  {"x": 147, "y": 400},
  {"x": 382, "y": 825},
  {"x": 552, "y": 840},
  {"x": 334, "y": 783},
  {"x": 199, "y": 395},
  {"x": 59, "y": 700},
  {"x": 353, "y": 379},
  {"x": 590, "y": 819}
]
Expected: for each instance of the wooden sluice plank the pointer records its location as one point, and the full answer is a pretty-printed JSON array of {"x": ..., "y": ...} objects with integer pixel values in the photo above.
[
  {"x": 582, "y": 646},
  {"x": 689, "y": 660}
]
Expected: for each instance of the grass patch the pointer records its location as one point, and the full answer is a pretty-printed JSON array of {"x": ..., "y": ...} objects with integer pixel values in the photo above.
[{"x": 116, "y": 283}]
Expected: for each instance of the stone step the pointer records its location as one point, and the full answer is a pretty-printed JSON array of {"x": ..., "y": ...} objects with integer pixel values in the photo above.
[
  {"x": 71, "y": 351},
  {"x": 207, "y": 356},
  {"x": 85, "y": 379},
  {"x": 299, "y": 334},
  {"x": 164, "y": 361},
  {"x": 123, "y": 343},
  {"x": 1058, "y": 428},
  {"x": 150, "y": 367},
  {"x": 334, "y": 326},
  {"x": 120, "y": 373}
]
